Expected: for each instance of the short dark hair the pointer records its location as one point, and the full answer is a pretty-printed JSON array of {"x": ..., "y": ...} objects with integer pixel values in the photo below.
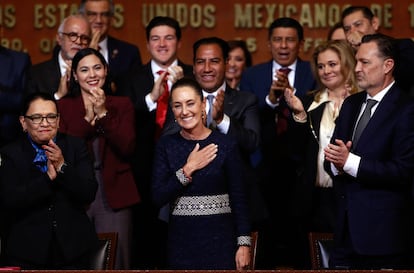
[
  {"x": 289, "y": 23},
  {"x": 233, "y": 44},
  {"x": 163, "y": 21},
  {"x": 212, "y": 40},
  {"x": 83, "y": 2},
  {"x": 29, "y": 98},
  {"x": 351, "y": 9},
  {"x": 386, "y": 45},
  {"x": 189, "y": 82}
]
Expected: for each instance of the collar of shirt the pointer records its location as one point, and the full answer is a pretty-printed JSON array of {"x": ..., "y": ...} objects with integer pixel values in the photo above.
[
  {"x": 104, "y": 48},
  {"x": 378, "y": 97},
  {"x": 291, "y": 76},
  {"x": 322, "y": 99},
  {"x": 205, "y": 94},
  {"x": 62, "y": 64}
]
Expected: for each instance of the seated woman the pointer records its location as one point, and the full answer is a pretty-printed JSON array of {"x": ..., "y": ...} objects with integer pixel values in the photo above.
[
  {"x": 46, "y": 182},
  {"x": 197, "y": 172}
]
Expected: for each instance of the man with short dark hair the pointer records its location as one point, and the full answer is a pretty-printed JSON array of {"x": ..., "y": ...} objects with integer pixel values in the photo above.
[
  {"x": 274, "y": 165},
  {"x": 371, "y": 159},
  {"x": 359, "y": 21}
]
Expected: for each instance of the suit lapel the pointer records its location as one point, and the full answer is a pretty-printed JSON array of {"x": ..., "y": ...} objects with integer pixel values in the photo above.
[{"x": 387, "y": 105}]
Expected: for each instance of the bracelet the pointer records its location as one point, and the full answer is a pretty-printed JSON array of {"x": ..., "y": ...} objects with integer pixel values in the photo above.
[
  {"x": 182, "y": 177},
  {"x": 244, "y": 241},
  {"x": 62, "y": 168}
]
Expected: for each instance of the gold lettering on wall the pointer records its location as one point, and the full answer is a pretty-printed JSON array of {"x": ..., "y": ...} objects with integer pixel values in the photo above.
[
  {"x": 194, "y": 15},
  {"x": 8, "y": 16},
  {"x": 118, "y": 18},
  {"x": 50, "y": 15}
]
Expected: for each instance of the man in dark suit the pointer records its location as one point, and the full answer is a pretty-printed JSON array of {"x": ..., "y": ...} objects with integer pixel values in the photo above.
[
  {"x": 13, "y": 78},
  {"x": 360, "y": 20},
  {"x": 52, "y": 76},
  {"x": 231, "y": 112},
  {"x": 120, "y": 55},
  {"x": 274, "y": 166},
  {"x": 163, "y": 41},
  {"x": 373, "y": 167}
]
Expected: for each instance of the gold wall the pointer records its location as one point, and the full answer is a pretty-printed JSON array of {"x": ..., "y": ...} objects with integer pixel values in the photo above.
[{"x": 31, "y": 25}]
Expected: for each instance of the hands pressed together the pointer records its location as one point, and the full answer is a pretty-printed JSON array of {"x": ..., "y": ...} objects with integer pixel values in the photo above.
[
  {"x": 338, "y": 153},
  {"x": 172, "y": 74},
  {"x": 278, "y": 86},
  {"x": 96, "y": 109},
  {"x": 55, "y": 159}
]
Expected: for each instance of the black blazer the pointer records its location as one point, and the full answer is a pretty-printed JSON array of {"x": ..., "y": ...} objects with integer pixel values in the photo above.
[
  {"x": 45, "y": 76},
  {"x": 37, "y": 207}
]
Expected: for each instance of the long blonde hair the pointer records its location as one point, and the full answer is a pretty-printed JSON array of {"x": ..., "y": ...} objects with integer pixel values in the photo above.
[{"x": 347, "y": 59}]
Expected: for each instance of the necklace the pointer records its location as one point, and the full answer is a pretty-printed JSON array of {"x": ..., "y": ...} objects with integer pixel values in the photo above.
[{"x": 189, "y": 136}]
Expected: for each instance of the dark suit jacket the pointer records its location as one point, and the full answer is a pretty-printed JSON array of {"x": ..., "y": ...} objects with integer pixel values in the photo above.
[
  {"x": 45, "y": 76},
  {"x": 258, "y": 79},
  {"x": 13, "y": 78},
  {"x": 405, "y": 62},
  {"x": 377, "y": 204},
  {"x": 37, "y": 206},
  {"x": 116, "y": 133},
  {"x": 122, "y": 57},
  {"x": 136, "y": 85}
]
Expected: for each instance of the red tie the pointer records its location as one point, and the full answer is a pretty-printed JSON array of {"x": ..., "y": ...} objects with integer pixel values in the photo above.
[
  {"x": 283, "y": 111},
  {"x": 162, "y": 107}
]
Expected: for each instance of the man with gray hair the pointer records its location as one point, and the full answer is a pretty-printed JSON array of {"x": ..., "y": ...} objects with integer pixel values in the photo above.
[{"x": 52, "y": 76}]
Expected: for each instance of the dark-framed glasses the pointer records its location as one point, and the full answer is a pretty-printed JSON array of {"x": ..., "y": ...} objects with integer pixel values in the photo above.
[
  {"x": 73, "y": 37},
  {"x": 37, "y": 119},
  {"x": 93, "y": 15}
]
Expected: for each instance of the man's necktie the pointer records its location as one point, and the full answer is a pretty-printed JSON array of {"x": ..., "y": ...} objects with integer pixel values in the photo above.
[
  {"x": 210, "y": 99},
  {"x": 162, "y": 107},
  {"x": 283, "y": 111},
  {"x": 363, "y": 121}
]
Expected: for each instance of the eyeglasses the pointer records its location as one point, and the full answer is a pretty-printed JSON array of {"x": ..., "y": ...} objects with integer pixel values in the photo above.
[
  {"x": 73, "y": 37},
  {"x": 37, "y": 119},
  {"x": 93, "y": 15}
]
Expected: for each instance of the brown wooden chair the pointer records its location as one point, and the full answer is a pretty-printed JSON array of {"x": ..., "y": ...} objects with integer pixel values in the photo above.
[
  {"x": 253, "y": 249},
  {"x": 104, "y": 256},
  {"x": 320, "y": 246}
]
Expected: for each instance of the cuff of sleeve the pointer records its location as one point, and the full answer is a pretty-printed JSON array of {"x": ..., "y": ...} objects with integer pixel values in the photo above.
[
  {"x": 351, "y": 165},
  {"x": 224, "y": 125},
  {"x": 150, "y": 104},
  {"x": 268, "y": 102},
  {"x": 244, "y": 241}
]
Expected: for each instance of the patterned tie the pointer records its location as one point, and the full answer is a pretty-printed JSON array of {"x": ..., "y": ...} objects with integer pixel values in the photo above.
[
  {"x": 210, "y": 99},
  {"x": 363, "y": 121},
  {"x": 162, "y": 107},
  {"x": 283, "y": 111}
]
